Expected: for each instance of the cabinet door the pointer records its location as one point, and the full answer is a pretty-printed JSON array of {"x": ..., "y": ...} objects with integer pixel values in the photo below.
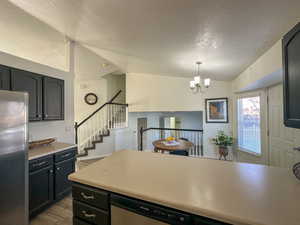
[
  {"x": 291, "y": 71},
  {"x": 62, "y": 170},
  {"x": 40, "y": 189},
  {"x": 53, "y": 99},
  {"x": 4, "y": 78},
  {"x": 32, "y": 84}
]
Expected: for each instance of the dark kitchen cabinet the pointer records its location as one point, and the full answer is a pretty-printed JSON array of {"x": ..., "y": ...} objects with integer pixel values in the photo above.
[
  {"x": 62, "y": 171},
  {"x": 41, "y": 189},
  {"x": 32, "y": 84},
  {"x": 48, "y": 179},
  {"x": 291, "y": 77},
  {"x": 53, "y": 98},
  {"x": 4, "y": 78}
]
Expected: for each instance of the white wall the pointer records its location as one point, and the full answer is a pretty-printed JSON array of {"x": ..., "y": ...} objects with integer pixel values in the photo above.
[
  {"x": 62, "y": 130},
  {"x": 82, "y": 87},
  {"x": 269, "y": 63},
  {"x": 115, "y": 83},
  {"x": 148, "y": 92},
  {"x": 27, "y": 37},
  {"x": 91, "y": 76},
  {"x": 88, "y": 65}
]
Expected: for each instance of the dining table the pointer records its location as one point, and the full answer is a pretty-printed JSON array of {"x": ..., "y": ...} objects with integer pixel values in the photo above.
[{"x": 162, "y": 145}]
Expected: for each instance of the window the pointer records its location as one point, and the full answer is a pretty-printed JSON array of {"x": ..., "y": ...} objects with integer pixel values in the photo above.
[{"x": 249, "y": 124}]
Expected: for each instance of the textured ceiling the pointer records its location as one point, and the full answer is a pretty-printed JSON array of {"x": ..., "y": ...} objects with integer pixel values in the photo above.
[{"x": 168, "y": 36}]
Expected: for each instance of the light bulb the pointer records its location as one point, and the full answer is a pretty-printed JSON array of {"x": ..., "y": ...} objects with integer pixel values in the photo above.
[
  {"x": 192, "y": 84},
  {"x": 197, "y": 80},
  {"x": 207, "y": 82}
]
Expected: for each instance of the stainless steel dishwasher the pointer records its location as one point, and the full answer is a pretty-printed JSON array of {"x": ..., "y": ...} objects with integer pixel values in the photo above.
[{"x": 127, "y": 211}]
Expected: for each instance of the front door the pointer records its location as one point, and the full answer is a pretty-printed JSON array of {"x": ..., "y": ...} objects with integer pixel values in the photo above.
[
  {"x": 282, "y": 139},
  {"x": 252, "y": 127}
]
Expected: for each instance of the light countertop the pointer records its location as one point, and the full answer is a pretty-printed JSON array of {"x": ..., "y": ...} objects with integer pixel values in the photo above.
[
  {"x": 237, "y": 193},
  {"x": 48, "y": 149}
]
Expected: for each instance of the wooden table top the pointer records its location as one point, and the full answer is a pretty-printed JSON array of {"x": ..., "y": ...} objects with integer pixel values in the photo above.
[{"x": 183, "y": 145}]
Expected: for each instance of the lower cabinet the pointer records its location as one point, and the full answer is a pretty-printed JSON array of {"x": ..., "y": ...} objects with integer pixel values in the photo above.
[
  {"x": 62, "y": 171},
  {"x": 48, "y": 179},
  {"x": 41, "y": 189}
]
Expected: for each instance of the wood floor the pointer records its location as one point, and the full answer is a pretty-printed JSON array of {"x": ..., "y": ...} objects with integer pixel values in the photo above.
[{"x": 61, "y": 212}]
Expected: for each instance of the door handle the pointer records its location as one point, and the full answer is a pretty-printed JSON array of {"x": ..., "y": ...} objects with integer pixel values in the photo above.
[{"x": 297, "y": 148}]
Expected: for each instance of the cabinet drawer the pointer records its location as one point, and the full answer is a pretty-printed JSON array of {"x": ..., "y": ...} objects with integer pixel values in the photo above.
[
  {"x": 67, "y": 154},
  {"x": 90, "y": 196},
  {"x": 40, "y": 163},
  {"x": 79, "y": 222},
  {"x": 90, "y": 214}
]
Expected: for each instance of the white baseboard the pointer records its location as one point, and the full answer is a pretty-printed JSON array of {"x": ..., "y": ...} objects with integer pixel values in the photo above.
[{"x": 93, "y": 157}]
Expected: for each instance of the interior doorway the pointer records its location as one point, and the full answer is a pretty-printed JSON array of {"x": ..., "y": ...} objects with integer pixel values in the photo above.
[{"x": 141, "y": 123}]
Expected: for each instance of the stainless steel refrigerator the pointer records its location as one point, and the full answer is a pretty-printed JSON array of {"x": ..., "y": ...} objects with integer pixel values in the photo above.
[{"x": 13, "y": 158}]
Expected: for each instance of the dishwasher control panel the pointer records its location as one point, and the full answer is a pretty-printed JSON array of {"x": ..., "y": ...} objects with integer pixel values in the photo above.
[{"x": 150, "y": 210}]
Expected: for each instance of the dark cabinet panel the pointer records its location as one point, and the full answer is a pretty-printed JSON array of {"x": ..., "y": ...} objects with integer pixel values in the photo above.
[
  {"x": 40, "y": 189},
  {"x": 32, "y": 84},
  {"x": 53, "y": 104},
  {"x": 62, "y": 171},
  {"x": 91, "y": 196},
  {"x": 4, "y": 78},
  {"x": 48, "y": 181},
  {"x": 291, "y": 71}
]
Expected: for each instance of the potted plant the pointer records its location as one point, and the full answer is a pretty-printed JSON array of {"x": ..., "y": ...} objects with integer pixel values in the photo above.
[{"x": 223, "y": 141}]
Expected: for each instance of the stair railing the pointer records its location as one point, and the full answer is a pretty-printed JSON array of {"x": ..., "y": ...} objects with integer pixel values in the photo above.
[
  {"x": 151, "y": 134},
  {"x": 97, "y": 124}
]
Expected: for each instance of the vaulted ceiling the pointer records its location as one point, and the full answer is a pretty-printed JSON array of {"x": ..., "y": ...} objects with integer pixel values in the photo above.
[{"x": 167, "y": 36}]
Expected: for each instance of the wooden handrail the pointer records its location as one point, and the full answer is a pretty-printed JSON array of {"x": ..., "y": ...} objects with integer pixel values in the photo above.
[
  {"x": 115, "y": 96},
  {"x": 77, "y": 125},
  {"x": 175, "y": 129},
  {"x": 91, "y": 115}
]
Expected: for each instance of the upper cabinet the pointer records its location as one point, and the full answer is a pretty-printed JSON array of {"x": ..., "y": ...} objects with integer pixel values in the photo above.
[
  {"x": 32, "y": 84},
  {"x": 46, "y": 94},
  {"x": 53, "y": 89},
  {"x": 291, "y": 77},
  {"x": 4, "y": 78}
]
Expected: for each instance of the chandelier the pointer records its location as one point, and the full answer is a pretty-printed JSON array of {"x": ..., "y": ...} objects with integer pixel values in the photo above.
[{"x": 196, "y": 85}]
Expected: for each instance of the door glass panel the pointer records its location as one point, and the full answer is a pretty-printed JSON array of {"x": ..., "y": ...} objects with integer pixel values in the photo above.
[{"x": 249, "y": 124}]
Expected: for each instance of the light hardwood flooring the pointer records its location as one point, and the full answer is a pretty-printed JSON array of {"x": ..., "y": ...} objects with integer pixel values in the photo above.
[{"x": 60, "y": 213}]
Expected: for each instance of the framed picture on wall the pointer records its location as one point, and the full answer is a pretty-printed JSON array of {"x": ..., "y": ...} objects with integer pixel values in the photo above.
[{"x": 216, "y": 110}]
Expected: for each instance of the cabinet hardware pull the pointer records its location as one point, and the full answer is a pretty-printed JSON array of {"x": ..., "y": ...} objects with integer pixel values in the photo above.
[
  {"x": 88, "y": 215},
  {"x": 51, "y": 171},
  {"x": 87, "y": 196},
  {"x": 57, "y": 168},
  {"x": 297, "y": 148},
  {"x": 39, "y": 164},
  {"x": 66, "y": 155}
]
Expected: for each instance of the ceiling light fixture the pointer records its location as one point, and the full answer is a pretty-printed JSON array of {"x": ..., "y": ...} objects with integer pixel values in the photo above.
[{"x": 196, "y": 84}]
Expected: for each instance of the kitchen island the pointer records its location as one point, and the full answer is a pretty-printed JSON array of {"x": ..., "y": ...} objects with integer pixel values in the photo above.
[{"x": 203, "y": 191}]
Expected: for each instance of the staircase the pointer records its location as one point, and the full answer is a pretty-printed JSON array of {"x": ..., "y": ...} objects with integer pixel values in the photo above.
[{"x": 94, "y": 128}]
